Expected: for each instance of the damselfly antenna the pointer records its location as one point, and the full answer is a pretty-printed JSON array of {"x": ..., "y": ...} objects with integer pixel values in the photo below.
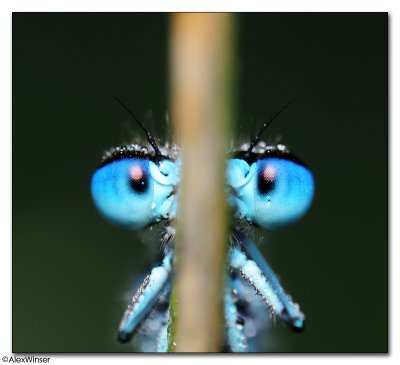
[
  {"x": 150, "y": 138},
  {"x": 256, "y": 139}
]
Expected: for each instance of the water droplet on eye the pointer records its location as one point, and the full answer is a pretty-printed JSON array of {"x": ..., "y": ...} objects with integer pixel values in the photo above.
[
  {"x": 235, "y": 295},
  {"x": 239, "y": 326}
]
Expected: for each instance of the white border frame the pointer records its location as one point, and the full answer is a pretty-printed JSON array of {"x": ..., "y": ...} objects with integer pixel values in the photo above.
[{"x": 8, "y": 6}]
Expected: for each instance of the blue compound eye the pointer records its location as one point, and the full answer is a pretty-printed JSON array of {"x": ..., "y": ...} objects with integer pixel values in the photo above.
[
  {"x": 135, "y": 192},
  {"x": 271, "y": 191},
  {"x": 283, "y": 191}
]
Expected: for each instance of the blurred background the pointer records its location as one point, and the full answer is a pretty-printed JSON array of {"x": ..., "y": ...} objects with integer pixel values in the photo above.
[{"x": 73, "y": 273}]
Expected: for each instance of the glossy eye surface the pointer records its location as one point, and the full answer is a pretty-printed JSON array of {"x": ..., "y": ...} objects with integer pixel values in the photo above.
[
  {"x": 135, "y": 192},
  {"x": 271, "y": 191}
]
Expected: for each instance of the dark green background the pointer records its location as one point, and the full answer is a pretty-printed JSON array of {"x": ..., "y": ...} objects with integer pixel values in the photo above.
[{"x": 73, "y": 272}]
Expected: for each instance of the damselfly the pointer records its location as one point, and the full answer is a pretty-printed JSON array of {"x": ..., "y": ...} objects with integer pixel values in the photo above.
[{"x": 137, "y": 186}]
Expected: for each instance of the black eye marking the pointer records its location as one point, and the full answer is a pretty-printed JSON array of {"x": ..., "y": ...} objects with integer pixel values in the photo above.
[
  {"x": 138, "y": 179},
  {"x": 266, "y": 179}
]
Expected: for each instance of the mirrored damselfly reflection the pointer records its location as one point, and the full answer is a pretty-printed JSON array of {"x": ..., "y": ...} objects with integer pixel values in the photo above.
[{"x": 268, "y": 187}]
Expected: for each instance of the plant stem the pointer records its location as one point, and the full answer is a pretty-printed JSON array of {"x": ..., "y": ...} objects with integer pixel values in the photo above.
[{"x": 201, "y": 105}]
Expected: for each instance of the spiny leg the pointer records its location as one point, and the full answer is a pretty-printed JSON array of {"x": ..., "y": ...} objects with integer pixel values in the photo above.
[
  {"x": 154, "y": 330},
  {"x": 145, "y": 298},
  {"x": 236, "y": 339},
  {"x": 291, "y": 313},
  {"x": 256, "y": 271}
]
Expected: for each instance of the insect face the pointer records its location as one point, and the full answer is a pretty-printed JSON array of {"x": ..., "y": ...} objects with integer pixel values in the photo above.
[
  {"x": 269, "y": 189},
  {"x": 133, "y": 191}
]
